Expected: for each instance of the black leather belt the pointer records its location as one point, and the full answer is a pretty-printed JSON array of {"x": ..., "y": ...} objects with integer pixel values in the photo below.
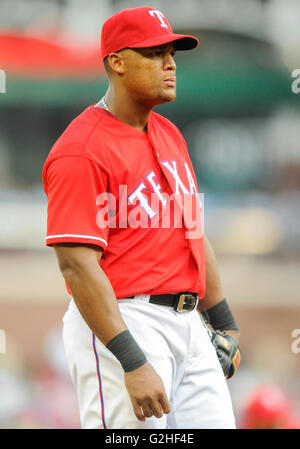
[{"x": 181, "y": 302}]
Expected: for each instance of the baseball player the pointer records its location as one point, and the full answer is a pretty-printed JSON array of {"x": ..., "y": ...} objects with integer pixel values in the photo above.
[{"x": 124, "y": 219}]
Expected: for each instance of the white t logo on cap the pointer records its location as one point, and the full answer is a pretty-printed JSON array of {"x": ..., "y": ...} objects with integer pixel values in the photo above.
[{"x": 160, "y": 16}]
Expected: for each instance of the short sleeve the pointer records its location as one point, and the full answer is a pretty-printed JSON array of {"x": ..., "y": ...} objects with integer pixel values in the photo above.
[{"x": 72, "y": 185}]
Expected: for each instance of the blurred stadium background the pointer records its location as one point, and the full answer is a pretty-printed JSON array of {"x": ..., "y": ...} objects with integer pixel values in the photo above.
[{"x": 237, "y": 111}]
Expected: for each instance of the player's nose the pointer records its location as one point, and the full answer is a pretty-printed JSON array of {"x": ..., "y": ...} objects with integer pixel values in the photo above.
[{"x": 169, "y": 62}]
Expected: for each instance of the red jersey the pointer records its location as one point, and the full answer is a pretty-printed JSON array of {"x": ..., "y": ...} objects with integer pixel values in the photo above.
[{"x": 110, "y": 185}]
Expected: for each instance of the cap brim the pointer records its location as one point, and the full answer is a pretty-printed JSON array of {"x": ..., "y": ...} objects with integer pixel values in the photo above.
[{"x": 181, "y": 41}]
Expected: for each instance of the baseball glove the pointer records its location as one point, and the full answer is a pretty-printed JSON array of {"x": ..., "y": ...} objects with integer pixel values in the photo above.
[
  {"x": 226, "y": 347},
  {"x": 228, "y": 352}
]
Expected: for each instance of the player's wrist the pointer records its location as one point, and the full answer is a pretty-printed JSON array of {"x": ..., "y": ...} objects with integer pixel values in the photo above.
[
  {"x": 127, "y": 351},
  {"x": 220, "y": 317}
]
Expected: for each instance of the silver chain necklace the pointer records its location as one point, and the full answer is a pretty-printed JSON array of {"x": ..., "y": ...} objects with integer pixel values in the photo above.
[{"x": 104, "y": 103}]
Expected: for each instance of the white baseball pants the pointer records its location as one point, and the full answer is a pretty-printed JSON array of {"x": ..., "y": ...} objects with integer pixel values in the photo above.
[{"x": 178, "y": 348}]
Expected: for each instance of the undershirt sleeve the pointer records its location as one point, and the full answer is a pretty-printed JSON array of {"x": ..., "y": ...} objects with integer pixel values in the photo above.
[{"x": 72, "y": 185}]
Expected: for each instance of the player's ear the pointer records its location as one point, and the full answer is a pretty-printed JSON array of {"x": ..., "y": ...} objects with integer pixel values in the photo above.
[{"x": 116, "y": 63}]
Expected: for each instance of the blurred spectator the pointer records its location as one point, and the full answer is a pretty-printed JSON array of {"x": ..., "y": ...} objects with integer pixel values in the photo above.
[
  {"x": 39, "y": 396},
  {"x": 54, "y": 404},
  {"x": 269, "y": 407}
]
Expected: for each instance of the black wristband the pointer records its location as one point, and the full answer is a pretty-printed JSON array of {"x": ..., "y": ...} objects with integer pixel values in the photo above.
[
  {"x": 127, "y": 351},
  {"x": 220, "y": 317}
]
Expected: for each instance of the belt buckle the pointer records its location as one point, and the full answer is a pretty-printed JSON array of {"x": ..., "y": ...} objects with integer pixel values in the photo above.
[{"x": 185, "y": 303}]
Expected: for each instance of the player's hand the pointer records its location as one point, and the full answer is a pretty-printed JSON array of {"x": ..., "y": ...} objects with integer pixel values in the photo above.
[
  {"x": 228, "y": 351},
  {"x": 234, "y": 334},
  {"x": 147, "y": 393}
]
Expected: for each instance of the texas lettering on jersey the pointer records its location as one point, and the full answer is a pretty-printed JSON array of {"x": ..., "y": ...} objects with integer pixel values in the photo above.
[
  {"x": 132, "y": 193},
  {"x": 147, "y": 205}
]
